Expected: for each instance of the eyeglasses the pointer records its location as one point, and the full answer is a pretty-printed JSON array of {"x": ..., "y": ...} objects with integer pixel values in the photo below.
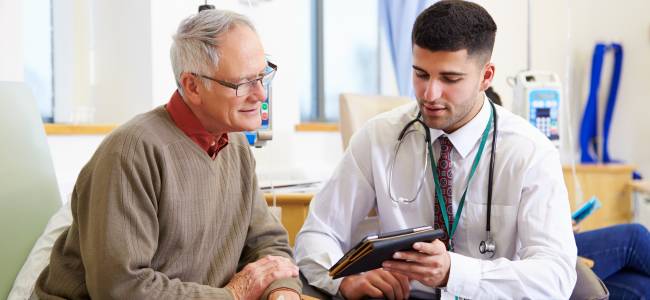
[{"x": 244, "y": 89}]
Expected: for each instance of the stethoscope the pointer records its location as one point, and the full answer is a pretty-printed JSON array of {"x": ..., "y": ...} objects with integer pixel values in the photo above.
[{"x": 487, "y": 246}]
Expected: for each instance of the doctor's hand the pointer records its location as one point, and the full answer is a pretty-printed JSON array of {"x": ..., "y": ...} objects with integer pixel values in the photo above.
[
  {"x": 377, "y": 283},
  {"x": 255, "y": 277},
  {"x": 429, "y": 265}
]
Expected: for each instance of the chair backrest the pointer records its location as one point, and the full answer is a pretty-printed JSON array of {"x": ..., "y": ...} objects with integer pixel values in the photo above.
[
  {"x": 355, "y": 110},
  {"x": 28, "y": 189},
  {"x": 588, "y": 285}
]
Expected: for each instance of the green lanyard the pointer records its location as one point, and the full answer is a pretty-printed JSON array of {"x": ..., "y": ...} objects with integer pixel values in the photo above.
[{"x": 441, "y": 200}]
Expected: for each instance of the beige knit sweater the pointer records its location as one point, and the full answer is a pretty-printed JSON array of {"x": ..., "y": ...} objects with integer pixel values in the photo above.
[{"x": 156, "y": 218}]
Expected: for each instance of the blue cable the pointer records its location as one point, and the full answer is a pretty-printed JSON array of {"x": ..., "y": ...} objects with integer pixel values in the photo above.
[
  {"x": 589, "y": 126},
  {"x": 611, "y": 99}
]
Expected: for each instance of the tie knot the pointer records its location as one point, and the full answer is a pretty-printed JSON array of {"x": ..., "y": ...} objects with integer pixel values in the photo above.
[
  {"x": 445, "y": 144},
  {"x": 444, "y": 141}
]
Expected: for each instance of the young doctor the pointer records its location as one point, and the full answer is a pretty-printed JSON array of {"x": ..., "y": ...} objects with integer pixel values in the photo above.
[{"x": 496, "y": 189}]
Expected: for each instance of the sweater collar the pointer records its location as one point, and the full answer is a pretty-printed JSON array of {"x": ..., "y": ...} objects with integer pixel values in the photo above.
[{"x": 187, "y": 122}]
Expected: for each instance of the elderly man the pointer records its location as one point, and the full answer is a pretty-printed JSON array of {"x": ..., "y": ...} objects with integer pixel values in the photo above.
[{"x": 169, "y": 207}]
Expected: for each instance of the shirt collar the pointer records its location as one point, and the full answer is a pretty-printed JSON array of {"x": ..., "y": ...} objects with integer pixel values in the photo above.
[
  {"x": 187, "y": 122},
  {"x": 466, "y": 137}
]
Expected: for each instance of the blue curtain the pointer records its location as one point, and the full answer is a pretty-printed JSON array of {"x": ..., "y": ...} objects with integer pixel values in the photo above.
[{"x": 396, "y": 18}]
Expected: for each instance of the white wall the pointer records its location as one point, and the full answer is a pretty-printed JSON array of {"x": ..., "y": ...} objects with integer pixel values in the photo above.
[
  {"x": 11, "y": 52},
  {"x": 71, "y": 45},
  {"x": 564, "y": 33},
  {"x": 122, "y": 59},
  {"x": 140, "y": 48},
  {"x": 628, "y": 23},
  {"x": 70, "y": 154},
  {"x": 102, "y": 60}
]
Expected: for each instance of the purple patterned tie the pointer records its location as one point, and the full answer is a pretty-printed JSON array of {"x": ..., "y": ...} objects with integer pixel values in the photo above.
[{"x": 445, "y": 175}]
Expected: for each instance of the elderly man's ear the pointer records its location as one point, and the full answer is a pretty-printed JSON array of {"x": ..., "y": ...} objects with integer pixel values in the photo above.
[{"x": 191, "y": 85}]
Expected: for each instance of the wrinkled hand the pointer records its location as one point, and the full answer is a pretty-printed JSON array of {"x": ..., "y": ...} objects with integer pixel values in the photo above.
[
  {"x": 377, "y": 283},
  {"x": 429, "y": 264},
  {"x": 251, "y": 281}
]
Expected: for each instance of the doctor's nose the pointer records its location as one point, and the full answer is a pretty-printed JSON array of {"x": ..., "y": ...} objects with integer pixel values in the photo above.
[{"x": 433, "y": 90}]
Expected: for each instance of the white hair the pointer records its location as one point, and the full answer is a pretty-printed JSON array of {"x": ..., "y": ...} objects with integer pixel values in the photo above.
[{"x": 195, "y": 46}]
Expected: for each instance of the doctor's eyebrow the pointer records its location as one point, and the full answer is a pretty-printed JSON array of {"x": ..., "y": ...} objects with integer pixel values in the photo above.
[
  {"x": 445, "y": 73},
  {"x": 419, "y": 69},
  {"x": 452, "y": 73}
]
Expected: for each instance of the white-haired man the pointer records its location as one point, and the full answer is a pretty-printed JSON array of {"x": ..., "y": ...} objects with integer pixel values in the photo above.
[{"x": 168, "y": 207}]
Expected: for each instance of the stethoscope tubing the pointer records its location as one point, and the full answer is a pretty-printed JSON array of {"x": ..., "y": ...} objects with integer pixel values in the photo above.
[{"x": 488, "y": 245}]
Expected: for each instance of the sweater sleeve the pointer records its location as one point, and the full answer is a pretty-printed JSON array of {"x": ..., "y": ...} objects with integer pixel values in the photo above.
[
  {"x": 266, "y": 236},
  {"x": 119, "y": 229}
]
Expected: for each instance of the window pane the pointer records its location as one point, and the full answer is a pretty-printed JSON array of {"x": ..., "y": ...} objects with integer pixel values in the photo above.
[
  {"x": 350, "y": 50},
  {"x": 308, "y": 79},
  {"x": 37, "y": 45}
]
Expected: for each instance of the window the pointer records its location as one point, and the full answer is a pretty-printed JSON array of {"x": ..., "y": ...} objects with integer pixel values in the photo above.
[
  {"x": 345, "y": 56},
  {"x": 37, "y": 48}
]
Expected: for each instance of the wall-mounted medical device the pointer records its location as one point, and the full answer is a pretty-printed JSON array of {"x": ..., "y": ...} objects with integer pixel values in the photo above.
[
  {"x": 259, "y": 137},
  {"x": 537, "y": 97}
]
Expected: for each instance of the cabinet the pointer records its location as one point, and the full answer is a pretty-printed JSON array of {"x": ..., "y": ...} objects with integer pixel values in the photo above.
[
  {"x": 294, "y": 211},
  {"x": 611, "y": 184}
]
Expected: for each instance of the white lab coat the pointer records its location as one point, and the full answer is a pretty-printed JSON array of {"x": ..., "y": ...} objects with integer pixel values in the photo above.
[{"x": 536, "y": 252}]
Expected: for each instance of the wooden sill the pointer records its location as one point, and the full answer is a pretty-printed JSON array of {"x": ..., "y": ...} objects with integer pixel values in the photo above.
[
  {"x": 289, "y": 199},
  {"x": 316, "y": 126},
  {"x": 101, "y": 129},
  {"x": 78, "y": 129},
  {"x": 600, "y": 168}
]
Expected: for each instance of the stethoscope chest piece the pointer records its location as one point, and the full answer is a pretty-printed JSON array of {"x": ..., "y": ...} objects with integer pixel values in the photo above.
[{"x": 488, "y": 246}]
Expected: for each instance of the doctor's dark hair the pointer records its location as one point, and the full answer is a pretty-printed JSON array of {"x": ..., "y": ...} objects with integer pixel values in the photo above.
[{"x": 452, "y": 25}]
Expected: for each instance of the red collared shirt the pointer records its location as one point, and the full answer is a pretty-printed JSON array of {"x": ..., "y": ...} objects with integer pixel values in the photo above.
[{"x": 185, "y": 119}]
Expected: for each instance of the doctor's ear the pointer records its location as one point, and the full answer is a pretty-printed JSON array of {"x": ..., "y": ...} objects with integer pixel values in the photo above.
[{"x": 487, "y": 76}]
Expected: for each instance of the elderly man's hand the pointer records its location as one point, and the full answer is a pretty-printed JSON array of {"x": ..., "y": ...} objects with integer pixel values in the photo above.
[
  {"x": 251, "y": 281},
  {"x": 429, "y": 265},
  {"x": 377, "y": 283}
]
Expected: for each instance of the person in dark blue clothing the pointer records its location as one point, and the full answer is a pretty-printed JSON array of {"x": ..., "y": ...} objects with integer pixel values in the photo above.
[{"x": 621, "y": 255}]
